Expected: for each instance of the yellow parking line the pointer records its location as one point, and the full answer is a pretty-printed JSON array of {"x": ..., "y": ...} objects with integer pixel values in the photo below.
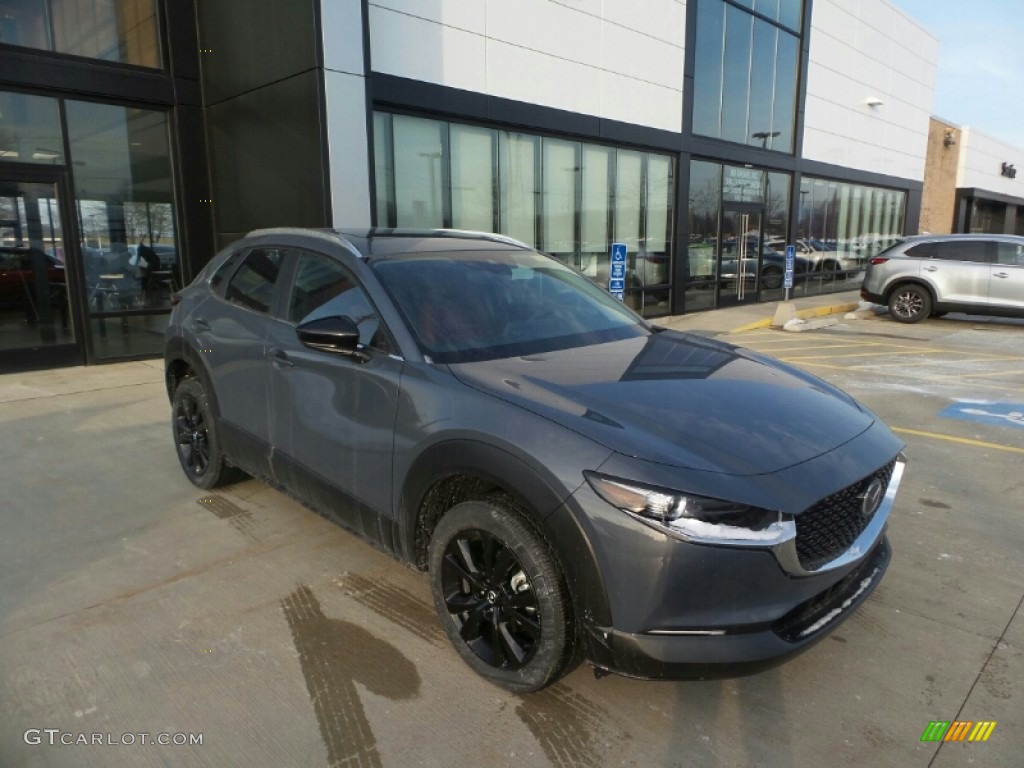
[
  {"x": 974, "y": 375},
  {"x": 962, "y": 440},
  {"x": 805, "y": 364},
  {"x": 867, "y": 354},
  {"x": 775, "y": 350},
  {"x": 988, "y": 359}
]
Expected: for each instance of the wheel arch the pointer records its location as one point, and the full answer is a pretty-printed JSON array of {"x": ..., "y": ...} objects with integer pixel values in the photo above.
[
  {"x": 454, "y": 471},
  {"x": 181, "y": 361},
  {"x": 899, "y": 282}
]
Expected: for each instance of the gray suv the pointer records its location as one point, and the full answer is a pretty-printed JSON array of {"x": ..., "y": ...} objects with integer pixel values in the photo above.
[
  {"x": 934, "y": 274},
  {"x": 578, "y": 483}
]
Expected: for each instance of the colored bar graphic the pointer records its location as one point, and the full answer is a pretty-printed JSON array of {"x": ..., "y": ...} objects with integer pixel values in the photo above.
[{"x": 958, "y": 730}]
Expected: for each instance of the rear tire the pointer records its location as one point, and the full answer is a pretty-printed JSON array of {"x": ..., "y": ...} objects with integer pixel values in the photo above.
[
  {"x": 910, "y": 303},
  {"x": 195, "y": 437},
  {"x": 501, "y": 597},
  {"x": 771, "y": 277}
]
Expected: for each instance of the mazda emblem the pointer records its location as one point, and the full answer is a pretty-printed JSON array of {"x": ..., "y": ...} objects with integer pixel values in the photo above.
[{"x": 871, "y": 498}]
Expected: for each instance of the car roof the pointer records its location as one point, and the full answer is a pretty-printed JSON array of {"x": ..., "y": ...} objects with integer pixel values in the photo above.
[
  {"x": 962, "y": 236},
  {"x": 382, "y": 242}
]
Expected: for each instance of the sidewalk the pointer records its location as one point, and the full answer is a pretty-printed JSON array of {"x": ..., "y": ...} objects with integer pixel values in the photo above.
[{"x": 749, "y": 317}]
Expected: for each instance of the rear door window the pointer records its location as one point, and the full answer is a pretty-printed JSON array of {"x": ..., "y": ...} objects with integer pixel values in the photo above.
[
  {"x": 252, "y": 286},
  {"x": 976, "y": 251}
]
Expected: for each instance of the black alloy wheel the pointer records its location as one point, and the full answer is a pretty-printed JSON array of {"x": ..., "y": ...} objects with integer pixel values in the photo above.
[
  {"x": 500, "y": 596},
  {"x": 195, "y": 437},
  {"x": 490, "y": 599},
  {"x": 771, "y": 277}
]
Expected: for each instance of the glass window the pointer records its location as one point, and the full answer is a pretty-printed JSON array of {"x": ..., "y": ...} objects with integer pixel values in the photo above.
[
  {"x": 113, "y": 30},
  {"x": 253, "y": 284},
  {"x": 1011, "y": 254},
  {"x": 791, "y": 14},
  {"x": 419, "y": 169},
  {"x": 979, "y": 251},
  {"x": 384, "y": 169},
  {"x": 324, "y": 288},
  {"x": 701, "y": 264},
  {"x": 746, "y": 71},
  {"x": 707, "y": 86},
  {"x": 517, "y": 159},
  {"x": 30, "y": 129},
  {"x": 125, "y": 200},
  {"x": 595, "y": 213},
  {"x": 561, "y": 169},
  {"x": 472, "y": 178}
]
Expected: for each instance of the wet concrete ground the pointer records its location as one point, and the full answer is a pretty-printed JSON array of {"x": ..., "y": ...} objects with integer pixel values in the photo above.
[{"x": 134, "y": 603}]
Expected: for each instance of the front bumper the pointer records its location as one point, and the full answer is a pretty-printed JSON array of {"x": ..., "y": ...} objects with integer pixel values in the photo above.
[{"x": 742, "y": 650}]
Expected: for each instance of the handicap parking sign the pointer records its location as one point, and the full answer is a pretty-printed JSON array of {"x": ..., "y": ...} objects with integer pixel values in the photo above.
[
  {"x": 618, "y": 270},
  {"x": 616, "y": 285},
  {"x": 618, "y": 253}
]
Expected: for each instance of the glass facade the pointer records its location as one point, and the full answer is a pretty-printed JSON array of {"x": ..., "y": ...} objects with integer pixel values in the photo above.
[
  {"x": 124, "y": 203},
  {"x": 124, "y": 31},
  {"x": 30, "y": 129},
  {"x": 840, "y": 226},
  {"x": 746, "y": 71},
  {"x": 570, "y": 199}
]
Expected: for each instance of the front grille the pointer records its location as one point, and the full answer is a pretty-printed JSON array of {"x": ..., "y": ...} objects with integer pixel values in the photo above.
[{"x": 827, "y": 529}]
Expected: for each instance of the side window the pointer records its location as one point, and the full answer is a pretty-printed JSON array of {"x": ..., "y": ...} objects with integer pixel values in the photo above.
[
  {"x": 964, "y": 250},
  {"x": 252, "y": 285},
  {"x": 324, "y": 288},
  {"x": 217, "y": 281},
  {"x": 923, "y": 251},
  {"x": 1011, "y": 254}
]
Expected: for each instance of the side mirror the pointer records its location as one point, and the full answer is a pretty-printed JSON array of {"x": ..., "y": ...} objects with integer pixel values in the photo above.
[{"x": 337, "y": 334}]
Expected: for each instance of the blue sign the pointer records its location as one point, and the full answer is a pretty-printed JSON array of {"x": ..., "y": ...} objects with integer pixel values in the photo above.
[
  {"x": 618, "y": 295},
  {"x": 619, "y": 253},
  {"x": 1003, "y": 414},
  {"x": 790, "y": 259},
  {"x": 618, "y": 270},
  {"x": 616, "y": 285},
  {"x": 617, "y": 278}
]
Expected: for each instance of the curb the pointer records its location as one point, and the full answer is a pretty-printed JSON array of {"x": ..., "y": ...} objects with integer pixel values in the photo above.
[{"x": 803, "y": 314}]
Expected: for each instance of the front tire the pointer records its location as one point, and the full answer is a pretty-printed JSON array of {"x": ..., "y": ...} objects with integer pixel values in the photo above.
[
  {"x": 910, "y": 304},
  {"x": 196, "y": 439},
  {"x": 500, "y": 596},
  {"x": 771, "y": 277}
]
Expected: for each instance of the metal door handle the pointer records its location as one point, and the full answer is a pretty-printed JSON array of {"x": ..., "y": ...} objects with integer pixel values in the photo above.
[
  {"x": 279, "y": 358},
  {"x": 200, "y": 324},
  {"x": 1002, "y": 274}
]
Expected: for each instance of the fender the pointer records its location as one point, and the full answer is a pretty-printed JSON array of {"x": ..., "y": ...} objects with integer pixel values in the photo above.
[
  {"x": 536, "y": 490},
  {"x": 176, "y": 349}
]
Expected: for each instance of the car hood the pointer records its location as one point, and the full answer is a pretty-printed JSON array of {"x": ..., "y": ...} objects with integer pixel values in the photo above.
[{"x": 679, "y": 399}]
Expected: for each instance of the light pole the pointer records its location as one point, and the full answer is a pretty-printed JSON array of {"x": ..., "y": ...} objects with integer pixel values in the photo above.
[{"x": 764, "y": 136}]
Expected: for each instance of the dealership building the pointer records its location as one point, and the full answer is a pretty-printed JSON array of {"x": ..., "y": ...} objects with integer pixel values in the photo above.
[{"x": 139, "y": 136}]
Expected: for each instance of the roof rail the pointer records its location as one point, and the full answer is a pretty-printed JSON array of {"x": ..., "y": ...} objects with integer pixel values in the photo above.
[{"x": 329, "y": 235}]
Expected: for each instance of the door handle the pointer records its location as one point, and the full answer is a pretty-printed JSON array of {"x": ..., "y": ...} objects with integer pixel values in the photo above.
[
  {"x": 279, "y": 358},
  {"x": 1001, "y": 274},
  {"x": 930, "y": 268},
  {"x": 200, "y": 324}
]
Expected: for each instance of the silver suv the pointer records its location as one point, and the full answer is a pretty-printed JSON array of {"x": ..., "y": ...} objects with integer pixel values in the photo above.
[{"x": 934, "y": 274}]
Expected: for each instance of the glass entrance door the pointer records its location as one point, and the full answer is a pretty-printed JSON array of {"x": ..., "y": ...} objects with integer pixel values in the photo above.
[
  {"x": 37, "y": 325},
  {"x": 739, "y": 255}
]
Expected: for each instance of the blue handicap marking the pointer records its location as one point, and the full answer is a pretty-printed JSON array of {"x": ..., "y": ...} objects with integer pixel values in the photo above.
[
  {"x": 618, "y": 295},
  {"x": 616, "y": 286},
  {"x": 1004, "y": 414},
  {"x": 618, "y": 253},
  {"x": 619, "y": 270}
]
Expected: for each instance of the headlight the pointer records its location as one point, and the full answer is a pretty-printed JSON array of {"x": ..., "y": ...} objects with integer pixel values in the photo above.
[{"x": 696, "y": 518}]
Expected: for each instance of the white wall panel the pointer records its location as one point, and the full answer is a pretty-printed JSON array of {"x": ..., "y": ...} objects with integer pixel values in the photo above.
[
  {"x": 348, "y": 148},
  {"x": 415, "y": 47},
  {"x": 343, "y": 36},
  {"x": 981, "y": 161},
  {"x": 575, "y": 55},
  {"x": 854, "y": 48}
]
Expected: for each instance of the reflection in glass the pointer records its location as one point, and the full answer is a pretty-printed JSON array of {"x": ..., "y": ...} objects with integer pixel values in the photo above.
[
  {"x": 736, "y": 75},
  {"x": 707, "y": 85},
  {"x": 125, "y": 207},
  {"x": 30, "y": 129},
  {"x": 124, "y": 31},
  {"x": 384, "y": 169},
  {"x": 595, "y": 215},
  {"x": 419, "y": 167},
  {"x": 33, "y": 290},
  {"x": 701, "y": 264}
]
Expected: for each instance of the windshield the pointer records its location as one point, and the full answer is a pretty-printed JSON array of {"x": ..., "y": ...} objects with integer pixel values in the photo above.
[{"x": 465, "y": 307}]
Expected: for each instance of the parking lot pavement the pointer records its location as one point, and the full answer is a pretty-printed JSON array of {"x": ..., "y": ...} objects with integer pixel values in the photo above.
[{"x": 134, "y": 603}]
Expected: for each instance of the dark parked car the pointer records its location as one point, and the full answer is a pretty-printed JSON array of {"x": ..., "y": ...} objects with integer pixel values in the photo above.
[
  {"x": 928, "y": 275},
  {"x": 579, "y": 483}
]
